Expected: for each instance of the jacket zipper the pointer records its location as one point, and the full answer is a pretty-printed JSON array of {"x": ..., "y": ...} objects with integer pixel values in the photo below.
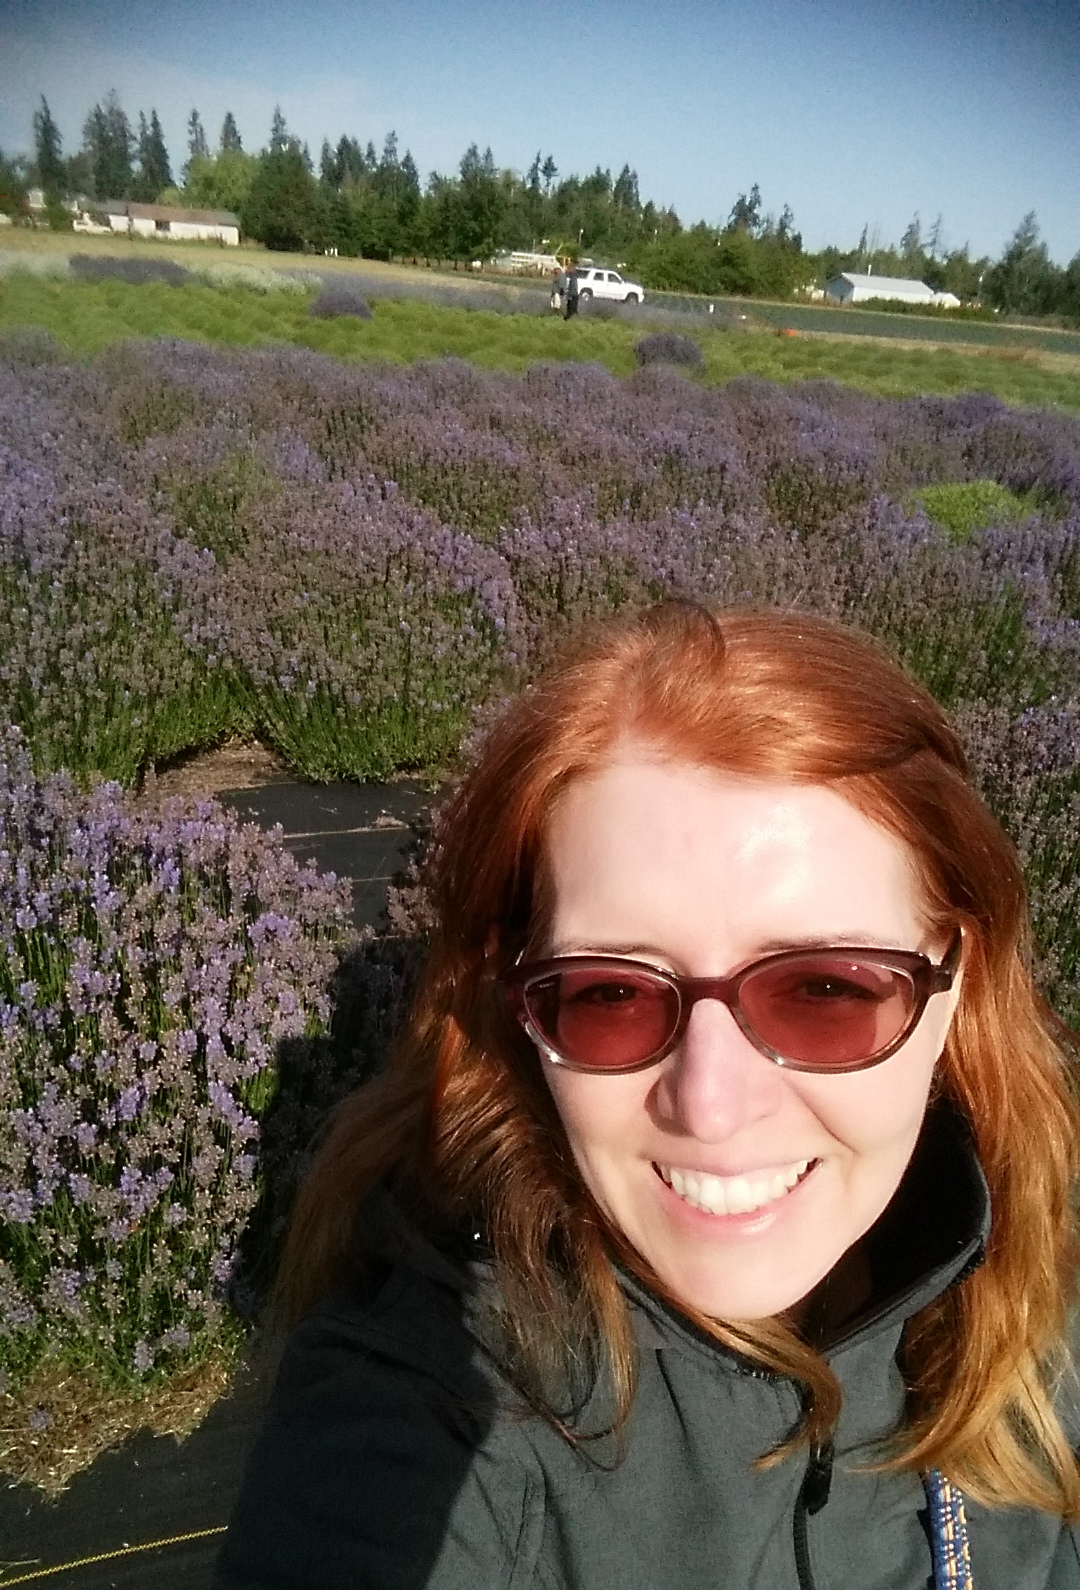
[{"x": 813, "y": 1494}]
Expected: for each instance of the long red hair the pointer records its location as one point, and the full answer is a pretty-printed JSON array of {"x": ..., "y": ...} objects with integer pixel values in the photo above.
[{"x": 463, "y": 1126}]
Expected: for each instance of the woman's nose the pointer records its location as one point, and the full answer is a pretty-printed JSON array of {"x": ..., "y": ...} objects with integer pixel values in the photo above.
[{"x": 716, "y": 1081}]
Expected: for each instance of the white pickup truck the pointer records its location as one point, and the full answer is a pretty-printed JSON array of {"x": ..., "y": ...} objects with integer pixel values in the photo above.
[{"x": 599, "y": 282}]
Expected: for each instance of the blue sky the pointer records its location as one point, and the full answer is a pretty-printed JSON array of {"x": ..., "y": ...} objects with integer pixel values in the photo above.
[{"x": 852, "y": 111}]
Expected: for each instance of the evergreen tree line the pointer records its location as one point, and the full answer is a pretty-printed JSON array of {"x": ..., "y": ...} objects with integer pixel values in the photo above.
[{"x": 367, "y": 202}]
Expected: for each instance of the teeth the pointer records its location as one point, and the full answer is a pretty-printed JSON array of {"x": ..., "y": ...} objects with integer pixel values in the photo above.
[{"x": 731, "y": 1195}]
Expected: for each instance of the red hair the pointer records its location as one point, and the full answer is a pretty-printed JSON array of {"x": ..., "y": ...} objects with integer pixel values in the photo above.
[{"x": 463, "y": 1125}]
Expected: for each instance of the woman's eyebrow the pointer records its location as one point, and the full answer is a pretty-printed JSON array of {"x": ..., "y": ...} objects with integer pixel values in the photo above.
[
  {"x": 831, "y": 941},
  {"x": 777, "y": 946},
  {"x": 602, "y": 947}
]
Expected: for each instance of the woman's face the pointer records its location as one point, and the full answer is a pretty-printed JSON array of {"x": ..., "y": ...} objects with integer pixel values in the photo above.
[{"x": 702, "y": 872}]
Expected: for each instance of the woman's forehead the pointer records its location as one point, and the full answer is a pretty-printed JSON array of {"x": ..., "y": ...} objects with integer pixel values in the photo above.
[{"x": 651, "y": 845}]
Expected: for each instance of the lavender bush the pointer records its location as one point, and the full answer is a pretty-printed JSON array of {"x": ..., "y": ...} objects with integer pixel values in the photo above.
[
  {"x": 103, "y": 268},
  {"x": 152, "y": 963},
  {"x": 668, "y": 347},
  {"x": 338, "y": 298}
]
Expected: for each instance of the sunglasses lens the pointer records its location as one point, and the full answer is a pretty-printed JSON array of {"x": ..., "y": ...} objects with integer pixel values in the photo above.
[
  {"x": 827, "y": 1010},
  {"x": 603, "y": 1019}
]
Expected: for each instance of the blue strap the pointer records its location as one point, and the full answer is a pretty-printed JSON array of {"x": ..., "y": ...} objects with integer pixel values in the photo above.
[{"x": 948, "y": 1534}]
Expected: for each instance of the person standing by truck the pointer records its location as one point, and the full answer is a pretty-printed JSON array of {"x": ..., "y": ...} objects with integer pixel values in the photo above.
[{"x": 571, "y": 293}]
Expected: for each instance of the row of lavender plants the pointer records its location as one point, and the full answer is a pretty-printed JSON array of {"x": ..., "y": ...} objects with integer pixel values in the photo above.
[
  {"x": 348, "y": 559},
  {"x": 352, "y": 562},
  {"x": 153, "y": 961}
]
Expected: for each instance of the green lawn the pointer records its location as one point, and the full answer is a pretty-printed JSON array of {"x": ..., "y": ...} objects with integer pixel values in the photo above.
[{"x": 87, "y": 316}]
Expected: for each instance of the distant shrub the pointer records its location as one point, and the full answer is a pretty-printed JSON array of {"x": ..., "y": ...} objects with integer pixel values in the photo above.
[
  {"x": 19, "y": 264},
  {"x": 897, "y": 306},
  {"x": 152, "y": 963},
  {"x": 668, "y": 347},
  {"x": 337, "y": 300},
  {"x": 106, "y": 267},
  {"x": 257, "y": 278}
]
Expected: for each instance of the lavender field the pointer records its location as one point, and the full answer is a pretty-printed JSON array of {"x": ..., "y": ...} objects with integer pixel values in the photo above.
[{"x": 351, "y": 562}]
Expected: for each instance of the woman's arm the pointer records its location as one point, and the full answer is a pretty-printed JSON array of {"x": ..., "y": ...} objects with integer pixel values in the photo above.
[{"x": 380, "y": 1469}]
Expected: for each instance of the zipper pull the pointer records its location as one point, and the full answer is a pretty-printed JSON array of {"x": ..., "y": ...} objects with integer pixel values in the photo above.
[{"x": 818, "y": 1479}]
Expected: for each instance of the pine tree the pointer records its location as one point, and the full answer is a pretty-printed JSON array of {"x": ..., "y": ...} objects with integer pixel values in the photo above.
[
  {"x": 349, "y": 160},
  {"x": 50, "y": 160},
  {"x": 279, "y": 134},
  {"x": 935, "y": 246},
  {"x": 230, "y": 135},
  {"x": 911, "y": 242},
  {"x": 625, "y": 191},
  {"x": 154, "y": 173},
  {"x": 385, "y": 178},
  {"x": 746, "y": 213},
  {"x": 197, "y": 144},
  {"x": 410, "y": 175},
  {"x": 480, "y": 206},
  {"x": 108, "y": 140},
  {"x": 281, "y": 208},
  {"x": 143, "y": 188},
  {"x": 198, "y": 149},
  {"x": 1024, "y": 281},
  {"x": 159, "y": 154}
]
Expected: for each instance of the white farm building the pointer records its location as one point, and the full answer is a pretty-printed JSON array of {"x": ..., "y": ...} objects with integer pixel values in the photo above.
[
  {"x": 852, "y": 288},
  {"x": 525, "y": 262},
  {"x": 160, "y": 221}
]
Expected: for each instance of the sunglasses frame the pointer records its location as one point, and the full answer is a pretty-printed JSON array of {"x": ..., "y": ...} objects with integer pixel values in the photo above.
[{"x": 927, "y": 978}]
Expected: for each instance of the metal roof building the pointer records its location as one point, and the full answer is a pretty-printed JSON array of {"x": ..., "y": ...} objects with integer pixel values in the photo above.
[
  {"x": 159, "y": 220},
  {"x": 852, "y": 288}
]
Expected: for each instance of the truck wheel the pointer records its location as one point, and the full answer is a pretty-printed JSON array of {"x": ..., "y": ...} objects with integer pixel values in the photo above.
[
  {"x": 631, "y": 298},
  {"x": 585, "y": 293}
]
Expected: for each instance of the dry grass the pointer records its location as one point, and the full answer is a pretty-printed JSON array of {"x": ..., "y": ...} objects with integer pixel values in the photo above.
[
  {"x": 237, "y": 764},
  {"x": 62, "y": 1419},
  {"x": 210, "y": 256}
]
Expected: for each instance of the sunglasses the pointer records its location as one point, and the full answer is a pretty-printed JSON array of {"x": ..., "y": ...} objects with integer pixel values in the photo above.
[{"x": 835, "y": 1009}]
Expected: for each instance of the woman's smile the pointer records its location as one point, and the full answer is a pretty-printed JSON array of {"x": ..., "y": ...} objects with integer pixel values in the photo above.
[{"x": 732, "y": 1195}]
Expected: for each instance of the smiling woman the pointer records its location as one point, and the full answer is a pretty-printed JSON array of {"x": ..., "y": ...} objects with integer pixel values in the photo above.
[
  {"x": 741, "y": 1178},
  {"x": 714, "y": 1213}
]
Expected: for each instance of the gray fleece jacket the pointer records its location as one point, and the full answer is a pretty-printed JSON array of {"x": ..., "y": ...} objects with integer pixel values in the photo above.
[{"x": 392, "y": 1457}]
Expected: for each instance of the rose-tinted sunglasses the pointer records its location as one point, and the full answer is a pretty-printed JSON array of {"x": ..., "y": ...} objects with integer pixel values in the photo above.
[{"x": 840, "y": 1008}]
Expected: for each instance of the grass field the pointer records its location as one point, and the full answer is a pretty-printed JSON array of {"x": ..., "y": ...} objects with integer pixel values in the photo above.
[{"x": 87, "y": 316}]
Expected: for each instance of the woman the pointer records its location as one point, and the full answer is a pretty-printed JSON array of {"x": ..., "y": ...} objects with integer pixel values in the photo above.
[{"x": 711, "y": 1226}]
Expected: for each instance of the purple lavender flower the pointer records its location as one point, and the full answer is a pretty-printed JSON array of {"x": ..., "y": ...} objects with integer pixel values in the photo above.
[{"x": 135, "y": 1060}]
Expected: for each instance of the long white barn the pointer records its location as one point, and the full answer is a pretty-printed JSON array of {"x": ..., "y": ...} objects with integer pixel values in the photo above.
[
  {"x": 850, "y": 287},
  {"x": 159, "y": 220}
]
